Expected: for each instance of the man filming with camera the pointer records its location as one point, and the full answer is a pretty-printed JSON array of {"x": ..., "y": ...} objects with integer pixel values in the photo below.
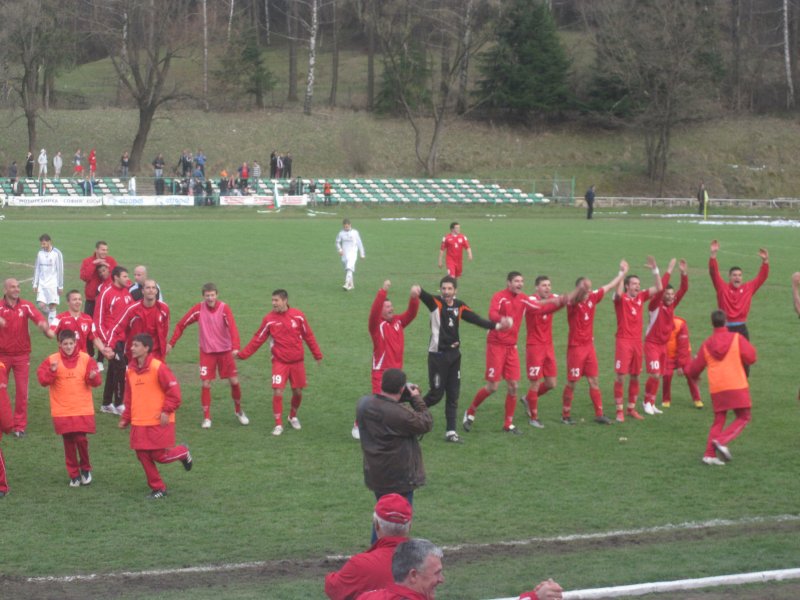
[{"x": 389, "y": 423}]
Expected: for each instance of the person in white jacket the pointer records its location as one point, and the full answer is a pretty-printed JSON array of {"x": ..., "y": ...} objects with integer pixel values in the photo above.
[
  {"x": 42, "y": 163},
  {"x": 349, "y": 245},
  {"x": 48, "y": 277}
]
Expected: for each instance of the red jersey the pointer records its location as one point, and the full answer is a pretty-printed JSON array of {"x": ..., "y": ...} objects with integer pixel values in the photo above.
[
  {"x": 538, "y": 320},
  {"x": 82, "y": 326},
  {"x": 630, "y": 315},
  {"x": 288, "y": 330},
  {"x": 14, "y": 335},
  {"x": 111, "y": 305},
  {"x": 88, "y": 274},
  {"x": 505, "y": 304},
  {"x": 735, "y": 302},
  {"x": 218, "y": 331},
  {"x": 454, "y": 246},
  {"x": 580, "y": 317},
  {"x": 138, "y": 318},
  {"x": 661, "y": 317},
  {"x": 393, "y": 591},
  {"x": 388, "y": 338}
]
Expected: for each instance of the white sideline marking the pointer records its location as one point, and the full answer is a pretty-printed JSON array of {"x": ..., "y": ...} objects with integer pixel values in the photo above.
[
  {"x": 536, "y": 540},
  {"x": 640, "y": 589}
]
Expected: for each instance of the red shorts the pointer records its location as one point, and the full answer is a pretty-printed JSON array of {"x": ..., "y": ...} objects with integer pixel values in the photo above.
[
  {"x": 454, "y": 268},
  {"x": 628, "y": 357},
  {"x": 540, "y": 361},
  {"x": 655, "y": 357},
  {"x": 213, "y": 362},
  {"x": 502, "y": 362},
  {"x": 581, "y": 362},
  {"x": 282, "y": 373}
]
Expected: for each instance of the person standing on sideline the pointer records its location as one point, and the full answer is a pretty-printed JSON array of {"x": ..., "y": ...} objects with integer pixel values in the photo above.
[
  {"x": 42, "y": 160},
  {"x": 139, "y": 277},
  {"x": 372, "y": 569},
  {"x": 218, "y": 337},
  {"x": 629, "y": 300},
  {"x": 48, "y": 277},
  {"x": 454, "y": 244},
  {"x": 288, "y": 328},
  {"x": 444, "y": 349},
  {"x": 581, "y": 355},
  {"x": 58, "y": 164},
  {"x": 349, "y": 246},
  {"x": 502, "y": 359},
  {"x": 662, "y": 310},
  {"x": 152, "y": 395},
  {"x": 389, "y": 430},
  {"x": 71, "y": 374},
  {"x": 702, "y": 198},
  {"x": 15, "y": 346},
  {"x": 29, "y": 162},
  {"x": 124, "y": 165},
  {"x": 6, "y": 425},
  {"x": 589, "y": 198},
  {"x": 735, "y": 296},
  {"x": 725, "y": 355}
]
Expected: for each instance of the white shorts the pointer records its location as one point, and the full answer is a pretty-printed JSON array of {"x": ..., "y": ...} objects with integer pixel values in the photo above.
[{"x": 47, "y": 295}]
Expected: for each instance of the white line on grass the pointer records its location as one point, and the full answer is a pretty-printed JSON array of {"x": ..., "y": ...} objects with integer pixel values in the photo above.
[
  {"x": 537, "y": 540},
  {"x": 640, "y": 589}
]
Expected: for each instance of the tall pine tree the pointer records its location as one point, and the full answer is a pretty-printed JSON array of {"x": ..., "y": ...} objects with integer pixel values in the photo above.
[{"x": 525, "y": 73}]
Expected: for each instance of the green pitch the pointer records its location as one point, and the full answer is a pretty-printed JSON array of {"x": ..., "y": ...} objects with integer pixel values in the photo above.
[{"x": 300, "y": 497}]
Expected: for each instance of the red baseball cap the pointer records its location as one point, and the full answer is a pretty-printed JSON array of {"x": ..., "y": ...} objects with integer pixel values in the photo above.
[{"x": 394, "y": 509}]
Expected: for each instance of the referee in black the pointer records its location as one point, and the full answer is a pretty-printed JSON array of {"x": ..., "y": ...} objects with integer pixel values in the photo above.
[{"x": 444, "y": 353}]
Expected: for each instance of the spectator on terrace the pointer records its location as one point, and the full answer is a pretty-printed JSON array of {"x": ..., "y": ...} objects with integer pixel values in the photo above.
[
  {"x": 77, "y": 167},
  {"x": 58, "y": 164},
  {"x": 287, "y": 166},
  {"x": 42, "y": 160},
  {"x": 256, "y": 171},
  {"x": 273, "y": 164},
  {"x": 200, "y": 161},
  {"x": 244, "y": 176},
  {"x": 12, "y": 173},
  {"x": 92, "y": 163},
  {"x": 124, "y": 163},
  {"x": 29, "y": 164}
]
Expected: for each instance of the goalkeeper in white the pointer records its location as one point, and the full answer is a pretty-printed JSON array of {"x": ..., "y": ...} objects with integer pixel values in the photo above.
[{"x": 349, "y": 245}]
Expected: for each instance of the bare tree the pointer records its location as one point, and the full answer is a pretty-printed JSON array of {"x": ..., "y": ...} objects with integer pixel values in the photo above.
[
  {"x": 205, "y": 55},
  {"x": 787, "y": 56},
  {"x": 291, "y": 32},
  {"x": 334, "y": 54},
  {"x": 143, "y": 62},
  {"x": 312, "y": 56}
]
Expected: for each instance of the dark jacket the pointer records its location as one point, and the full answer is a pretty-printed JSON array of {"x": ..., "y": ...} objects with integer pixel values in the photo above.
[{"x": 392, "y": 455}]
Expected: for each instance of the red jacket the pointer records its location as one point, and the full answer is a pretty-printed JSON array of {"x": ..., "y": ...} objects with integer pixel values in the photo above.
[
  {"x": 288, "y": 330},
  {"x": 138, "y": 318},
  {"x": 152, "y": 437},
  {"x": 393, "y": 591},
  {"x": 6, "y": 414},
  {"x": 370, "y": 570},
  {"x": 388, "y": 338},
  {"x": 735, "y": 302},
  {"x": 88, "y": 274},
  {"x": 14, "y": 336}
]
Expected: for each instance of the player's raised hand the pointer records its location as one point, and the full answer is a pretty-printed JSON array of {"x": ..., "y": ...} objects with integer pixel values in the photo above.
[
  {"x": 623, "y": 266},
  {"x": 683, "y": 266},
  {"x": 415, "y": 290},
  {"x": 714, "y": 248},
  {"x": 671, "y": 266},
  {"x": 386, "y": 285},
  {"x": 650, "y": 263},
  {"x": 762, "y": 252}
]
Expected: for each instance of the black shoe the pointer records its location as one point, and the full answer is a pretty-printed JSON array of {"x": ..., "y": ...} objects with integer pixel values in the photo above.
[
  {"x": 512, "y": 430},
  {"x": 468, "y": 421},
  {"x": 75, "y": 482},
  {"x": 567, "y": 421},
  {"x": 86, "y": 477},
  {"x": 187, "y": 462},
  {"x": 602, "y": 420},
  {"x": 156, "y": 494}
]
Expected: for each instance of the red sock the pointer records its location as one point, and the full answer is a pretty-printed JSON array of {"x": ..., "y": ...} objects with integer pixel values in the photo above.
[
  {"x": 236, "y": 394},
  {"x": 666, "y": 388},
  {"x": 693, "y": 389},
  {"x": 633, "y": 393},
  {"x": 597, "y": 400},
  {"x": 533, "y": 403},
  {"x": 297, "y": 398},
  {"x": 205, "y": 401},
  {"x": 543, "y": 389},
  {"x": 482, "y": 395},
  {"x": 511, "y": 406},
  {"x": 619, "y": 391},
  {"x": 566, "y": 401},
  {"x": 277, "y": 409},
  {"x": 651, "y": 390}
]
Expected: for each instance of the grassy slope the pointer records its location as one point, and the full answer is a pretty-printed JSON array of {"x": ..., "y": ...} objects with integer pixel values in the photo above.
[{"x": 255, "y": 497}]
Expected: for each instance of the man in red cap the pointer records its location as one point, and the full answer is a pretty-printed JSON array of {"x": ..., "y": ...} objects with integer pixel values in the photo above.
[{"x": 372, "y": 569}]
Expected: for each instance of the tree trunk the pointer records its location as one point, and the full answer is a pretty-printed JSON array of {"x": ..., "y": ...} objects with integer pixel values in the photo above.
[
  {"x": 205, "y": 55},
  {"x": 334, "y": 56},
  {"x": 736, "y": 49},
  {"x": 312, "y": 57},
  {"x": 266, "y": 22},
  {"x": 291, "y": 28},
  {"x": 371, "y": 61},
  {"x": 463, "y": 76},
  {"x": 145, "y": 122},
  {"x": 787, "y": 57},
  {"x": 230, "y": 20}
]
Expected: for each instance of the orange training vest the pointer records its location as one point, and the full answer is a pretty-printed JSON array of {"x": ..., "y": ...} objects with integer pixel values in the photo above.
[
  {"x": 147, "y": 397},
  {"x": 70, "y": 395},
  {"x": 726, "y": 374}
]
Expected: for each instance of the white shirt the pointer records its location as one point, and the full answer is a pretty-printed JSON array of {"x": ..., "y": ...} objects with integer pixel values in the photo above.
[
  {"x": 48, "y": 272},
  {"x": 349, "y": 242}
]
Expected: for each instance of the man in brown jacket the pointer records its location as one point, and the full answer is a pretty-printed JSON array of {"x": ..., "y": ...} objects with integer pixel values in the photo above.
[{"x": 389, "y": 423}]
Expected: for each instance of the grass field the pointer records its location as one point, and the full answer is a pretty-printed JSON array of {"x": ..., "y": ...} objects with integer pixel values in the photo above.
[{"x": 292, "y": 501}]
